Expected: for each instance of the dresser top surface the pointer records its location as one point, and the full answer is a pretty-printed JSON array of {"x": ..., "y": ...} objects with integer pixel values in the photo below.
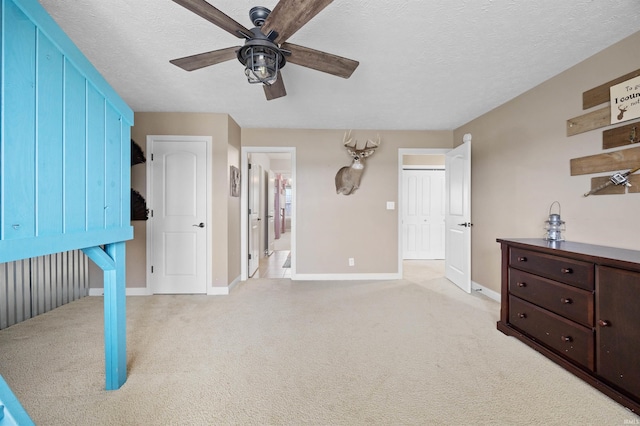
[{"x": 596, "y": 253}]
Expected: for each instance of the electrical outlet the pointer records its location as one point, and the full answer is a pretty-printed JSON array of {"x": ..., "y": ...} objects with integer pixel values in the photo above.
[{"x": 352, "y": 261}]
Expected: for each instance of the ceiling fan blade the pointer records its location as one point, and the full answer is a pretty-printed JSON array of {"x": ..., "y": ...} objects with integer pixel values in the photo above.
[
  {"x": 290, "y": 15},
  {"x": 276, "y": 90},
  {"x": 320, "y": 61},
  {"x": 201, "y": 60},
  {"x": 215, "y": 16}
]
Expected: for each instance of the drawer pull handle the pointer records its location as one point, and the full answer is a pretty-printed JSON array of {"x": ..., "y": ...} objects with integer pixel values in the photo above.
[
  {"x": 566, "y": 300},
  {"x": 604, "y": 323},
  {"x": 522, "y": 315},
  {"x": 522, "y": 259},
  {"x": 522, "y": 284},
  {"x": 566, "y": 270},
  {"x": 567, "y": 339}
]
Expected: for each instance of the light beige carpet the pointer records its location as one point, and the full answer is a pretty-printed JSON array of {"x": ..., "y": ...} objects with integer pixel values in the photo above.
[{"x": 277, "y": 352}]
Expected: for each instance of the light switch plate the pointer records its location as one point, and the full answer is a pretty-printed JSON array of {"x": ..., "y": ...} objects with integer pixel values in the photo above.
[{"x": 391, "y": 205}]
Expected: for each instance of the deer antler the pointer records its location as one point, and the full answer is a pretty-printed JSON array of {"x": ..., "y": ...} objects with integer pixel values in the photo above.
[
  {"x": 346, "y": 140},
  {"x": 374, "y": 144}
]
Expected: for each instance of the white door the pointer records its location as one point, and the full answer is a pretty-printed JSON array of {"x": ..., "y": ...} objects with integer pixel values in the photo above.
[
  {"x": 179, "y": 215},
  {"x": 458, "y": 215},
  {"x": 270, "y": 213},
  {"x": 423, "y": 198},
  {"x": 255, "y": 171}
]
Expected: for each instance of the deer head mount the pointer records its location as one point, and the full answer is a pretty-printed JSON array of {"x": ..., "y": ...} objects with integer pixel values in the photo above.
[{"x": 348, "y": 177}]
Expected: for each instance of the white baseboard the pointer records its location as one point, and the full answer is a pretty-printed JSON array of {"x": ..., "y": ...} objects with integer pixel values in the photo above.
[
  {"x": 486, "y": 291},
  {"x": 234, "y": 283},
  {"x": 217, "y": 291},
  {"x": 345, "y": 277},
  {"x": 144, "y": 291}
]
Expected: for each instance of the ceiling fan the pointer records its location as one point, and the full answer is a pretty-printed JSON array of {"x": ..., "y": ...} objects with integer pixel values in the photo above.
[{"x": 265, "y": 50}]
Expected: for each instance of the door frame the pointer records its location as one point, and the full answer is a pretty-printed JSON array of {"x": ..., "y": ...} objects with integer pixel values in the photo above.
[
  {"x": 209, "y": 215},
  {"x": 401, "y": 153},
  {"x": 244, "y": 204}
]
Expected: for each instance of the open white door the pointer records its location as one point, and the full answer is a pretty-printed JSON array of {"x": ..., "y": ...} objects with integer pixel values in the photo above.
[
  {"x": 254, "y": 218},
  {"x": 271, "y": 212},
  {"x": 458, "y": 215}
]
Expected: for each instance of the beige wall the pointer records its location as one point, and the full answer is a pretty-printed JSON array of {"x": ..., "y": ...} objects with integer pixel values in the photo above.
[
  {"x": 520, "y": 165},
  {"x": 332, "y": 228},
  {"x": 225, "y": 228},
  {"x": 423, "y": 160}
]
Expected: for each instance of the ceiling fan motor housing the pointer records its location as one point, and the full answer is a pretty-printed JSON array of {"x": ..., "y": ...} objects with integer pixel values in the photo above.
[{"x": 258, "y": 15}]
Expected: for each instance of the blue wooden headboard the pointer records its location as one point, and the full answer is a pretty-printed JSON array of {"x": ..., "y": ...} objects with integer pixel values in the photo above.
[{"x": 65, "y": 142}]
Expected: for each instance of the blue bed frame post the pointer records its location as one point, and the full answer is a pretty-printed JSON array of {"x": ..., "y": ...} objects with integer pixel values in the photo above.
[
  {"x": 115, "y": 335},
  {"x": 112, "y": 262}
]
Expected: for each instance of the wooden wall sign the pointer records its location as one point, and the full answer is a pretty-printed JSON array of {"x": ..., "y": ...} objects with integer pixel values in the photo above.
[
  {"x": 594, "y": 97},
  {"x": 601, "y": 94},
  {"x": 634, "y": 180},
  {"x": 608, "y": 162},
  {"x": 621, "y": 136},
  {"x": 611, "y": 189},
  {"x": 625, "y": 101},
  {"x": 620, "y": 93},
  {"x": 589, "y": 121}
]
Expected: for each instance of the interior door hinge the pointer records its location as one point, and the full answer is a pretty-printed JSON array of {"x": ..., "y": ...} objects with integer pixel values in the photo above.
[
  {"x": 152, "y": 269},
  {"x": 151, "y": 156},
  {"x": 249, "y": 256},
  {"x": 151, "y": 212}
]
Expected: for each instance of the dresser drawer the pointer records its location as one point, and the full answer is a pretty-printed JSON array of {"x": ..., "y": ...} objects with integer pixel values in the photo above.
[
  {"x": 569, "y": 271},
  {"x": 566, "y": 337},
  {"x": 568, "y": 301}
]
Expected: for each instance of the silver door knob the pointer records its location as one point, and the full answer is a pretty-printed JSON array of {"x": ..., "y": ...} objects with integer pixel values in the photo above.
[{"x": 200, "y": 225}]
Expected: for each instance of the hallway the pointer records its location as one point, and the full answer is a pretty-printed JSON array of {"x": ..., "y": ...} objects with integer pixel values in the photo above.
[{"x": 272, "y": 266}]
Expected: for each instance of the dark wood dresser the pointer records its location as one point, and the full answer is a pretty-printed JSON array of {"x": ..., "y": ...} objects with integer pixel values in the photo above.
[{"x": 579, "y": 305}]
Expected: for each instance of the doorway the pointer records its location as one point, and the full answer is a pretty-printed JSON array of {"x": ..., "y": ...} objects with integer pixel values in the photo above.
[
  {"x": 418, "y": 158},
  {"x": 273, "y": 209}
]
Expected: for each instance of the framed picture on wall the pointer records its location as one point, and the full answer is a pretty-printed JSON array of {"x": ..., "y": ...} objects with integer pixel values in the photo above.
[{"x": 235, "y": 181}]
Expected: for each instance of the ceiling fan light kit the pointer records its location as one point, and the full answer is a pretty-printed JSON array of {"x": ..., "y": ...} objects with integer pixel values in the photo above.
[
  {"x": 264, "y": 51},
  {"x": 261, "y": 57}
]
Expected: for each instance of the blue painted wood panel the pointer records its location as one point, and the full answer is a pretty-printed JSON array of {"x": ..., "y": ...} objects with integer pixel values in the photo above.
[
  {"x": 113, "y": 169},
  {"x": 19, "y": 110},
  {"x": 75, "y": 150},
  {"x": 95, "y": 159},
  {"x": 49, "y": 137},
  {"x": 64, "y": 143}
]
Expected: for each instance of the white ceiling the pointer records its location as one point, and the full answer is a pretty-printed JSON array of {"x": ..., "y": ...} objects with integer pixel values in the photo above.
[{"x": 424, "y": 64}]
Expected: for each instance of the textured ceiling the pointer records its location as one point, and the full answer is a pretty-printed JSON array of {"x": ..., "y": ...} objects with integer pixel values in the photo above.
[{"x": 423, "y": 64}]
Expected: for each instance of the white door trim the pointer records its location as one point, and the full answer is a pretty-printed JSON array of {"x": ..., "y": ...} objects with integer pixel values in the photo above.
[
  {"x": 402, "y": 152},
  {"x": 209, "y": 215},
  {"x": 244, "y": 194}
]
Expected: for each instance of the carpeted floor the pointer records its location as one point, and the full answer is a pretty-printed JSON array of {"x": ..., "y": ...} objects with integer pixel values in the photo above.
[{"x": 280, "y": 352}]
